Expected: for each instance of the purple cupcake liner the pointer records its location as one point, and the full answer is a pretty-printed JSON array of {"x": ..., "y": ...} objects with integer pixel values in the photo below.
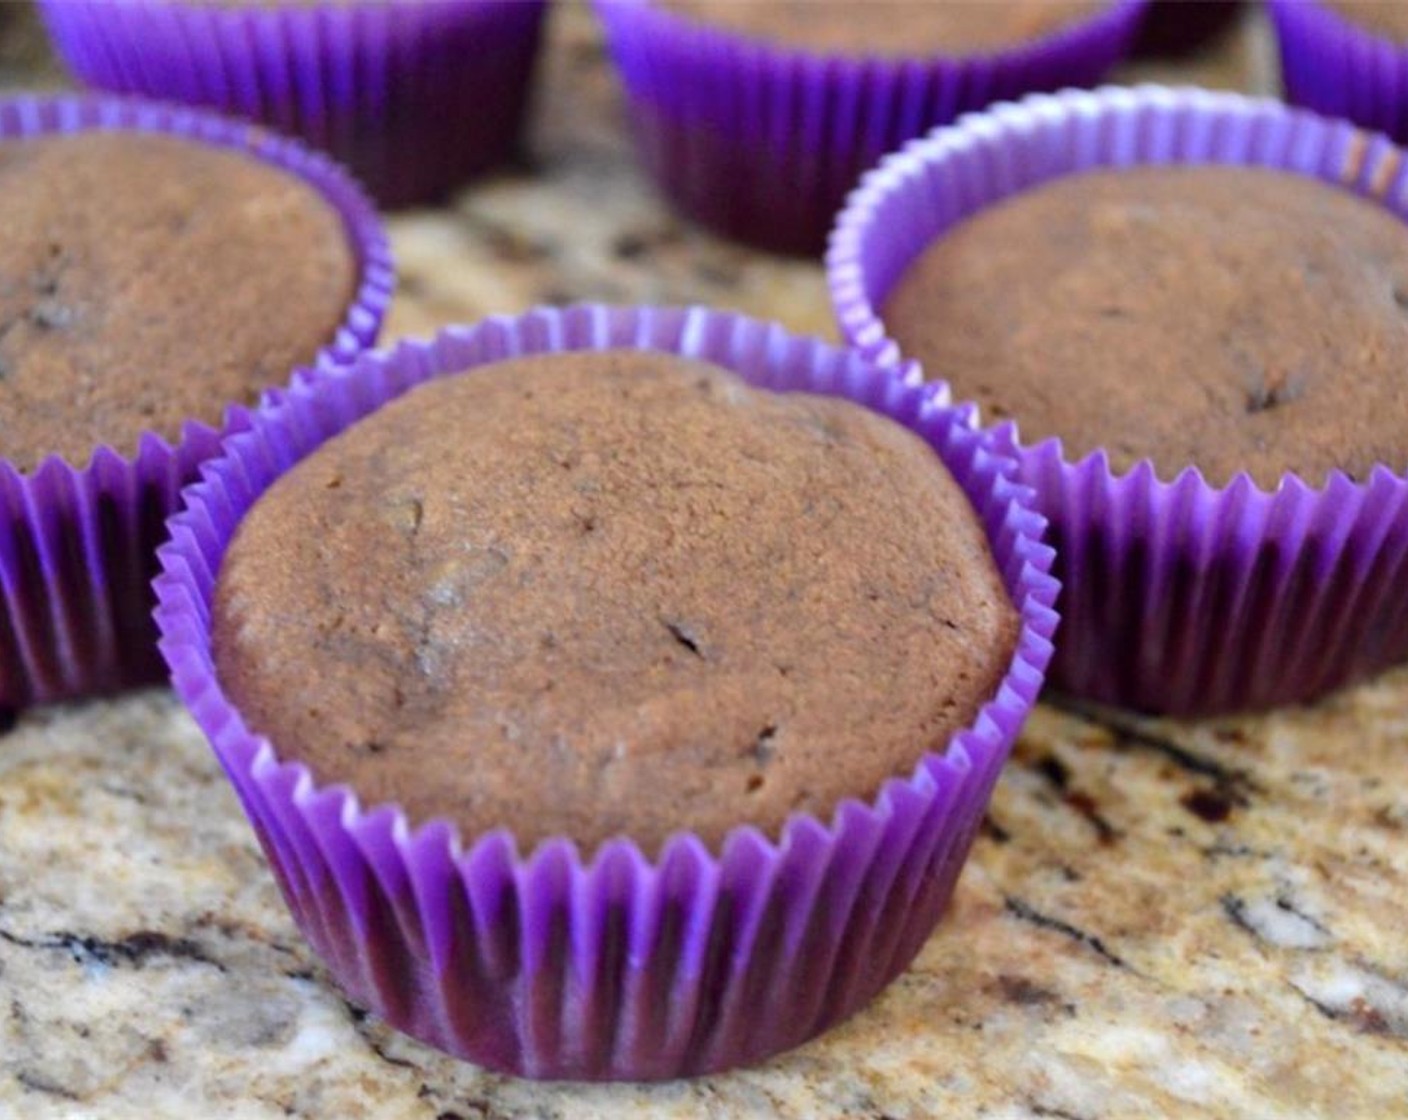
[
  {"x": 78, "y": 541},
  {"x": 415, "y": 98},
  {"x": 762, "y": 142},
  {"x": 1337, "y": 68},
  {"x": 549, "y": 963},
  {"x": 1179, "y": 596}
]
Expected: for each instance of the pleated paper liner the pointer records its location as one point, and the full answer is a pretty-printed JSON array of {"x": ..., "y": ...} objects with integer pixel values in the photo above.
[
  {"x": 78, "y": 540},
  {"x": 1179, "y": 596},
  {"x": 556, "y": 963},
  {"x": 415, "y": 97},
  {"x": 1335, "y": 67},
  {"x": 761, "y": 142}
]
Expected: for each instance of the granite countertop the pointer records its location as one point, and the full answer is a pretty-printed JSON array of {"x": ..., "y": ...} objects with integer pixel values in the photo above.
[{"x": 1158, "y": 918}]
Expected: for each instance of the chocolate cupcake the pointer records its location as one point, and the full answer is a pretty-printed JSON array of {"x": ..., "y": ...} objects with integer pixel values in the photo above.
[
  {"x": 1386, "y": 20},
  {"x": 578, "y": 582},
  {"x": 902, "y": 28},
  {"x": 163, "y": 270},
  {"x": 1346, "y": 58},
  {"x": 416, "y": 96},
  {"x": 668, "y": 635},
  {"x": 1202, "y": 362},
  {"x": 756, "y": 119},
  {"x": 154, "y": 280},
  {"x": 1233, "y": 319}
]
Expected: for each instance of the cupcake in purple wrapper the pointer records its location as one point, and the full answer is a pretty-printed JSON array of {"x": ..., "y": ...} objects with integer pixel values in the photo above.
[
  {"x": 582, "y": 677},
  {"x": 416, "y": 96},
  {"x": 757, "y": 118},
  {"x": 162, "y": 269},
  {"x": 1199, "y": 330},
  {"x": 1346, "y": 58}
]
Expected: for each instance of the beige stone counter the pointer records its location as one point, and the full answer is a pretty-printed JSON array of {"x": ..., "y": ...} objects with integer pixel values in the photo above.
[{"x": 1158, "y": 919}]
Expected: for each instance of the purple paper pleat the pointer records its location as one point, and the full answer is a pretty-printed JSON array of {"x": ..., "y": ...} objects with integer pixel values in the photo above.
[
  {"x": 559, "y": 964},
  {"x": 415, "y": 98},
  {"x": 78, "y": 540},
  {"x": 1179, "y": 596},
  {"x": 1337, "y": 68},
  {"x": 761, "y": 142}
]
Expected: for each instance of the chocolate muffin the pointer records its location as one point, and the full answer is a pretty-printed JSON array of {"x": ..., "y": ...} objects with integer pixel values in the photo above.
[
  {"x": 891, "y": 27},
  {"x": 413, "y": 96},
  {"x": 146, "y": 279},
  {"x": 613, "y": 593},
  {"x": 1232, "y": 318},
  {"x": 1380, "y": 17}
]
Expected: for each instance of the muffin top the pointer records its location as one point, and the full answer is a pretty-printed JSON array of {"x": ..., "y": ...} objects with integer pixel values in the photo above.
[
  {"x": 1388, "y": 18},
  {"x": 146, "y": 279},
  {"x": 613, "y": 593},
  {"x": 891, "y": 27},
  {"x": 1232, "y": 318}
]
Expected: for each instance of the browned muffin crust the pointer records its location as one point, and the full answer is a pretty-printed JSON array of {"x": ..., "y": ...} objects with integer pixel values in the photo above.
[
  {"x": 612, "y": 593},
  {"x": 146, "y": 279},
  {"x": 1388, "y": 18},
  {"x": 1232, "y": 318},
  {"x": 891, "y": 27}
]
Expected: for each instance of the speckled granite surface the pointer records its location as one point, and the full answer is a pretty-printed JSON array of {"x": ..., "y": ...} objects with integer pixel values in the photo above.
[{"x": 1158, "y": 919}]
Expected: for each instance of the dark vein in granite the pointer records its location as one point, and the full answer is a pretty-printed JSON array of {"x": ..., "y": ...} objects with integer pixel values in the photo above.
[
  {"x": 1026, "y": 912},
  {"x": 1236, "y": 910},
  {"x": 1022, "y": 991},
  {"x": 1058, "y": 1113},
  {"x": 37, "y": 1083},
  {"x": 1360, "y": 1015},
  {"x": 1127, "y": 733},
  {"x": 1223, "y": 848},
  {"x": 134, "y": 949},
  {"x": 1058, "y": 774},
  {"x": 237, "y": 930},
  {"x": 471, "y": 1108},
  {"x": 1284, "y": 903},
  {"x": 359, "y": 1022},
  {"x": 1053, "y": 770},
  {"x": 123, "y": 793},
  {"x": 1208, "y": 805},
  {"x": 479, "y": 1108}
]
